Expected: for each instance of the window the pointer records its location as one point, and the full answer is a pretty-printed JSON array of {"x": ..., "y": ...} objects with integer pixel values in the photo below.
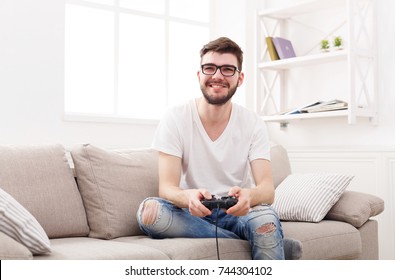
[{"x": 132, "y": 58}]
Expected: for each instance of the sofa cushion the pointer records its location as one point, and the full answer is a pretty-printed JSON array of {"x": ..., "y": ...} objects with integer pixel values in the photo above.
[
  {"x": 356, "y": 208},
  {"x": 18, "y": 223},
  {"x": 10, "y": 249},
  {"x": 194, "y": 248},
  {"x": 40, "y": 179},
  {"x": 112, "y": 185},
  {"x": 309, "y": 197},
  {"x": 280, "y": 163},
  {"x": 204, "y": 248},
  {"x": 85, "y": 248},
  {"x": 325, "y": 240}
]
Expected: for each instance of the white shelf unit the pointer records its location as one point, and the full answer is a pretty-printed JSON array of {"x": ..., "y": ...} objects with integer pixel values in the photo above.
[{"x": 359, "y": 56}]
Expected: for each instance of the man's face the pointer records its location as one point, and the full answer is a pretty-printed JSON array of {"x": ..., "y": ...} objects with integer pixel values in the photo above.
[{"x": 218, "y": 89}]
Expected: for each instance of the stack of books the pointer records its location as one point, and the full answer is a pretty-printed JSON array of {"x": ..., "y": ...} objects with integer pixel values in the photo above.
[
  {"x": 319, "y": 106},
  {"x": 279, "y": 48}
]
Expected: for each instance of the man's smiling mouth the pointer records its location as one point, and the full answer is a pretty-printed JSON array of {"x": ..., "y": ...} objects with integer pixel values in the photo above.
[{"x": 217, "y": 85}]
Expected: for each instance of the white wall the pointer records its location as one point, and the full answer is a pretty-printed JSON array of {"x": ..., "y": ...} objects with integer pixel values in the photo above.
[
  {"x": 32, "y": 70},
  {"x": 32, "y": 77},
  {"x": 31, "y": 83}
]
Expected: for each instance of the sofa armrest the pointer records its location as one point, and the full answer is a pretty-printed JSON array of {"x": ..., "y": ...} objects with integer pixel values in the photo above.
[
  {"x": 10, "y": 249},
  {"x": 355, "y": 208}
]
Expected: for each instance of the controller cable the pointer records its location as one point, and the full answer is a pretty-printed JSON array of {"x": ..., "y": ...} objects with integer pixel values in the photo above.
[{"x": 216, "y": 232}]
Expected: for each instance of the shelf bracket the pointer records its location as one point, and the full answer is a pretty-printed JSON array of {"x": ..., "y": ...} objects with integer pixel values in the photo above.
[{"x": 284, "y": 124}]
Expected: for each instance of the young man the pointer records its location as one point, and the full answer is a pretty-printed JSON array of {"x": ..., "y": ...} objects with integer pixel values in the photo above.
[{"x": 211, "y": 146}]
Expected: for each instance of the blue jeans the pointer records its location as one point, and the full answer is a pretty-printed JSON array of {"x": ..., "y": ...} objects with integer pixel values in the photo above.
[{"x": 172, "y": 221}]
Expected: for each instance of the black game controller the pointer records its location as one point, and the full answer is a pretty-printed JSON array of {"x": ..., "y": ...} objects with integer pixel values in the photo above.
[{"x": 224, "y": 202}]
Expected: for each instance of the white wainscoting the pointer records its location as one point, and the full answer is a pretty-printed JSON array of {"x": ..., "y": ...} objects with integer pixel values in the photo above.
[{"x": 374, "y": 171}]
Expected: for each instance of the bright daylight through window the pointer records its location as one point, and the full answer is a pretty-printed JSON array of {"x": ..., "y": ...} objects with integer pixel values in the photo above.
[{"x": 132, "y": 58}]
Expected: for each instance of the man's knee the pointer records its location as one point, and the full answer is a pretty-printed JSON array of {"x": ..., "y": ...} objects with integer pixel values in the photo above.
[
  {"x": 266, "y": 228},
  {"x": 268, "y": 224},
  {"x": 150, "y": 211}
]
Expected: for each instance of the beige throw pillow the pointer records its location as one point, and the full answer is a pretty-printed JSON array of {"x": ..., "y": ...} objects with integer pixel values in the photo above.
[
  {"x": 40, "y": 179},
  {"x": 356, "y": 208},
  {"x": 112, "y": 185}
]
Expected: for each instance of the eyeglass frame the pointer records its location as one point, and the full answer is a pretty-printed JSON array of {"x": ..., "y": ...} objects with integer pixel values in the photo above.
[{"x": 220, "y": 69}]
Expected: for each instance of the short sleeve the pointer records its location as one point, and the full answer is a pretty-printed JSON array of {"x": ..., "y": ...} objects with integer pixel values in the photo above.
[
  {"x": 167, "y": 137},
  {"x": 259, "y": 147}
]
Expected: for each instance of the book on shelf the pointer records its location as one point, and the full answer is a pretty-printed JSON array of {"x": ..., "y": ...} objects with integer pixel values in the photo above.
[
  {"x": 332, "y": 105},
  {"x": 318, "y": 106},
  {"x": 283, "y": 47},
  {"x": 298, "y": 110},
  {"x": 271, "y": 48}
]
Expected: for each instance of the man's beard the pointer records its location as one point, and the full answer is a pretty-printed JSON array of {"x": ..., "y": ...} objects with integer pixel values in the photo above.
[{"x": 218, "y": 100}]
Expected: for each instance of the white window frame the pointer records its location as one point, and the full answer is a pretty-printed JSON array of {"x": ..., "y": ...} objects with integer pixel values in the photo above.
[{"x": 115, "y": 117}]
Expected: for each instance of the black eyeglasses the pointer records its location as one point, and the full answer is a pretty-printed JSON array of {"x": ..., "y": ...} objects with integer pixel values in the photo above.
[{"x": 226, "y": 70}]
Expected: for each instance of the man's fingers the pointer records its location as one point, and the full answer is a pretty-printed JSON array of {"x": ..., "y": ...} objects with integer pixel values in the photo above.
[
  {"x": 206, "y": 194},
  {"x": 234, "y": 190},
  {"x": 196, "y": 208}
]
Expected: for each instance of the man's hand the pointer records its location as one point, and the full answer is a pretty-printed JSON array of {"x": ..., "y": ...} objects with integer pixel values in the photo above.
[
  {"x": 263, "y": 192},
  {"x": 244, "y": 201},
  {"x": 194, "y": 196}
]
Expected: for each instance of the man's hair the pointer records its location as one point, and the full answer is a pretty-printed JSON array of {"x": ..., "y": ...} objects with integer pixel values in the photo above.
[{"x": 224, "y": 45}]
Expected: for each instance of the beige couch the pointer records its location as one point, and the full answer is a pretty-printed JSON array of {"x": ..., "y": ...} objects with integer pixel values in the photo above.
[{"x": 89, "y": 211}]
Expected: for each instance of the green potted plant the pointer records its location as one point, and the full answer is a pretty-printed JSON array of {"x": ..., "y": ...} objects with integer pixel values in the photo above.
[
  {"x": 338, "y": 42},
  {"x": 325, "y": 45}
]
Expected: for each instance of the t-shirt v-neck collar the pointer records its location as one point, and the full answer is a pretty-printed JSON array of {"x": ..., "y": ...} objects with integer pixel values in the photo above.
[{"x": 203, "y": 131}]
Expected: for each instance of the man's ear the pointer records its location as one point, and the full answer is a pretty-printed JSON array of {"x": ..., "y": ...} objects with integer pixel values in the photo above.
[{"x": 241, "y": 79}]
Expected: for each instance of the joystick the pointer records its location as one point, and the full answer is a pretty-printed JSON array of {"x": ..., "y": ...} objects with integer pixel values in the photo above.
[{"x": 224, "y": 202}]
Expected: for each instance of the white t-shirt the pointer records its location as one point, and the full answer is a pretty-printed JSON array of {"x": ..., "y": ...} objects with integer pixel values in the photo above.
[{"x": 214, "y": 165}]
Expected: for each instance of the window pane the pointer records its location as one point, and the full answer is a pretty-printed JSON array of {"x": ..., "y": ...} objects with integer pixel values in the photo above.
[
  {"x": 89, "y": 60},
  {"x": 184, "y": 60},
  {"x": 150, "y": 6},
  {"x": 190, "y": 9},
  {"x": 153, "y": 60},
  {"x": 142, "y": 75}
]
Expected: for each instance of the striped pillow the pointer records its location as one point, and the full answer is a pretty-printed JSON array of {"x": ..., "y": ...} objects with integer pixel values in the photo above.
[
  {"x": 309, "y": 197},
  {"x": 19, "y": 224}
]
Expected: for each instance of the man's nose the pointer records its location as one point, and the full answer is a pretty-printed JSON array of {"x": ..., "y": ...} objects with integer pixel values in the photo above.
[{"x": 218, "y": 74}]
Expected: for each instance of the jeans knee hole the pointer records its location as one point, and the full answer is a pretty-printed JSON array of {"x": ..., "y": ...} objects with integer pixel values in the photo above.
[
  {"x": 266, "y": 228},
  {"x": 149, "y": 213}
]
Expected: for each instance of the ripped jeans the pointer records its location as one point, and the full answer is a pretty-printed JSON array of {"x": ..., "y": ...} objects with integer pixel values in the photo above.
[{"x": 261, "y": 227}]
